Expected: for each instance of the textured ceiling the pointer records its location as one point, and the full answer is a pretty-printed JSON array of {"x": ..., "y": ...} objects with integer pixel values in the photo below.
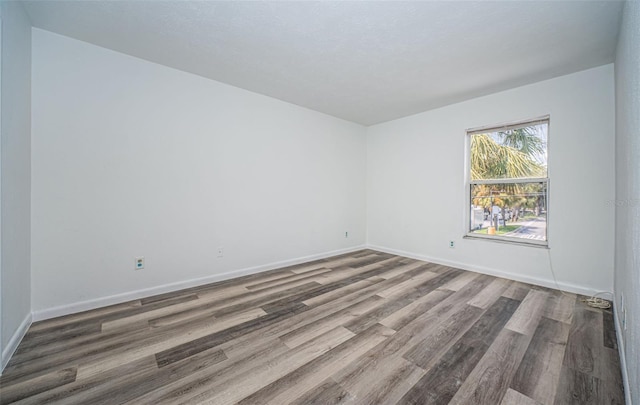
[{"x": 366, "y": 62}]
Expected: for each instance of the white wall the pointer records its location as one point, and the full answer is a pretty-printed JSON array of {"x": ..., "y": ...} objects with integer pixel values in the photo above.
[
  {"x": 416, "y": 198},
  {"x": 131, "y": 158},
  {"x": 15, "y": 172},
  {"x": 627, "y": 238}
]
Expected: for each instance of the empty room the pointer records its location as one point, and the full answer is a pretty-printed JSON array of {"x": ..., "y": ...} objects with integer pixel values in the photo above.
[{"x": 320, "y": 202}]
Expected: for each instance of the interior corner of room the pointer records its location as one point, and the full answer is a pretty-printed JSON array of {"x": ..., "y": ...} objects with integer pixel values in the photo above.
[{"x": 110, "y": 162}]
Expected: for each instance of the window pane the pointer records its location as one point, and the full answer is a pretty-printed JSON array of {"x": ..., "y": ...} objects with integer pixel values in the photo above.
[
  {"x": 517, "y": 210},
  {"x": 514, "y": 153}
]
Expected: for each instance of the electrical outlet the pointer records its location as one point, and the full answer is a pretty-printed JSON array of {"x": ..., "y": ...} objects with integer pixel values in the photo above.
[
  {"x": 139, "y": 263},
  {"x": 220, "y": 251},
  {"x": 452, "y": 244}
]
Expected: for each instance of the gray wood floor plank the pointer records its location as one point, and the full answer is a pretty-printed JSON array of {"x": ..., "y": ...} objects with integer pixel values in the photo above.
[
  {"x": 295, "y": 384},
  {"x": 428, "y": 351},
  {"x": 452, "y": 318},
  {"x": 609, "y": 367},
  {"x": 342, "y": 276},
  {"x": 609, "y": 330},
  {"x": 312, "y": 315},
  {"x": 401, "y": 288},
  {"x": 488, "y": 382},
  {"x": 131, "y": 387},
  {"x": 362, "y": 328},
  {"x": 513, "y": 397},
  {"x": 585, "y": 341},
  {"x": 77, "y": 391},
  {"x": 384, "y": 384},
  {"x": 526, "y": 318},
  {"x": 341, "y": 318},
  {"x": 67, "y": 358},
  {"x": 45, "y": 335},
  {"x": 442, "y": 381},
  {"x": 490, "y": 294},
  {"x": 121, "y": 389},
  {"x": 408, "y": 336},
  {"x": 247, "y": 359},
  {"x": 404, "y": 316},
  {"x": 37, "y": 385},
  {"x": 461, "y": 281},
  {"x": 361, "y": 262},
  {"x": 340, "y": 292},
  {"x": 365, "y": 272},
  {"x": 516, "y": 291},
  {"x": 371, "y": 317},
  {"x": 198, "y": 344},
  {"x": 230, "y": 391},
  {"x": 539, "y": 372},
  {"x": 161, "y": 343},
  {"x": 51, "y": 324},
  {"x": 327, "y": 393},
  {"x": 577, "y": 388},
  {"x": 285, "y": 280},
  {"x": 401, "y": 269},
  {"x": 228, "y": 304},
  {"x": 559, "y": 306}
]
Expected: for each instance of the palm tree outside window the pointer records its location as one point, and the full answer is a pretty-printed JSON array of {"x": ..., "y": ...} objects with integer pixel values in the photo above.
[{"x": 508, "y": 182}]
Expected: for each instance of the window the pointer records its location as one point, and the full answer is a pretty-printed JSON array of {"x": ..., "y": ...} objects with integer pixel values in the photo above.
[{"x": 508, "y": 184}]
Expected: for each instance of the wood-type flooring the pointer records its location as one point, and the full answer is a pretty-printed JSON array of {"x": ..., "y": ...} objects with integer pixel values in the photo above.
[{"x": 361, "y": 328}]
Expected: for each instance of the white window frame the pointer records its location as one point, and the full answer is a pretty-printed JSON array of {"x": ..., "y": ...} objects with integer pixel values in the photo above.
[{"x": 468, "y": 234}]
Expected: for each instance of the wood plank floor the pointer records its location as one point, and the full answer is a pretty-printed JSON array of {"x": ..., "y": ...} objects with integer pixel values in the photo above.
[{"x": 362, "y": 328}]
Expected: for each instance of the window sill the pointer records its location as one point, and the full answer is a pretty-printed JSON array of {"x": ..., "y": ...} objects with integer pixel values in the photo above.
[{"x": 510, "y": 241}]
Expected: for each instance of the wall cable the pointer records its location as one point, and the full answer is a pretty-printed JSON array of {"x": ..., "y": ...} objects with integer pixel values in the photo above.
[{"x": 594, "y": 301}]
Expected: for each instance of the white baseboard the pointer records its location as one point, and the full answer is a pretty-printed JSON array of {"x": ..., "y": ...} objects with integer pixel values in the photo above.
[
  {"x": 15, "y": 341},
  {"x": 76, "y": 307},
  {"x": 623, "y": 359},
  {"x": 549, "y": 283}
]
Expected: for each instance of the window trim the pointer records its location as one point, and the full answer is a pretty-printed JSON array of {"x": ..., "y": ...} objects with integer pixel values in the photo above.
[
  {"x": 545, "y": 119},
  {"x": 508, "y": 126}
]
